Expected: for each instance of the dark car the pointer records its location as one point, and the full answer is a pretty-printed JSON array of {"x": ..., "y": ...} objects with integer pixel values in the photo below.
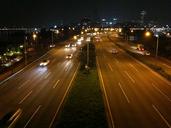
[{"x": 10, "y": 119}]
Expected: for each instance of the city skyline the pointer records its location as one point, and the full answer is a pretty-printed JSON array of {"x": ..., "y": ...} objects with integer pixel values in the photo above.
[{"x": 48, "y": 13}]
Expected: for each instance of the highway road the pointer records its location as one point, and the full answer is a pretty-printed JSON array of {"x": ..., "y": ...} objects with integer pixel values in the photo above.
[
  {"x": 40, "y": 91},
  {"x": 136, "y": 97}
]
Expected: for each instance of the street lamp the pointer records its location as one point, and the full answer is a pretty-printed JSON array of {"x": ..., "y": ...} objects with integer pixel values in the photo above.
[
  {"x": 21, "y": 46},
  {"x": 34, "y": 36},
  {"x": 25, "y": 49},
  {"x": 57, "y": 31},
  {"x": 147, "y": 34},
  {"x": 52, "y": 38},
  {"x": 75, "y": 37},
  {"x": 157, "y": 46}
]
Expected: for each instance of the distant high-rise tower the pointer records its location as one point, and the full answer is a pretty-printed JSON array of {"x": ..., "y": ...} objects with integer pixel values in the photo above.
[{"x": 143, "y": 13}]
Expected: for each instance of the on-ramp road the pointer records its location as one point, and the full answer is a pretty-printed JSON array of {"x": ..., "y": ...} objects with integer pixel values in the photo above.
[{"x": 136, "y": 97}]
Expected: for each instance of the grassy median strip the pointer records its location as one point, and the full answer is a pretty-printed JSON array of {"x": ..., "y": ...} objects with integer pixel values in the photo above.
[{"x": 84, "y": 107}]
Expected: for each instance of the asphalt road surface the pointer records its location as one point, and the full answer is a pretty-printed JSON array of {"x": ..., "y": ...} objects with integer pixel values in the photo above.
[
  {"x": 136, "y": 97},
  {"x": 40, "y": 91}
]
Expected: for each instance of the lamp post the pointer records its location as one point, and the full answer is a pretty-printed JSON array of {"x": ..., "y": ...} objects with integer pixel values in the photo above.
[
  {"x": 88, "y": 53},
  {"x": 157, "y": 46},
  {"x": 52, "y": 36},
  {"x": 25, "y": 49},
  {"x": 34, "y": 38},
  {"x": 157, "y": 43}
]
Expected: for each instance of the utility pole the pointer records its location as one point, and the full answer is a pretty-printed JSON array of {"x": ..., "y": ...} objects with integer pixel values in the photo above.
[
  {"x": 25, "y": 49},
  {"x": 157, "y": 45},
  {"x": 52, "y": 36},
  {"x": 88, "y": 53}
]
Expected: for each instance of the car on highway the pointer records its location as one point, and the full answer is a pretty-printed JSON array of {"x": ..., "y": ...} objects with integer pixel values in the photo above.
[
  {"x": 10, "y": 119},
  {"x": 18, "y": 58},
  {"x": 44, "y": 63},
  {"x": 67, "y": 45},
  {"x": 114, "y": 51},
  {"x": 74, "y": 45},
  {"x": 52, "y": 46},
  {"x": 140, "y": 47},
  {"x": 69, "y": 56}
]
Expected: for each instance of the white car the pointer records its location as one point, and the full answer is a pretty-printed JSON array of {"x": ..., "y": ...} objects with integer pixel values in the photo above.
[
  {"x": 44, "y": 63},
  {"x": 69, "y": 56},
  {"x": 114, "y": 51},
  {"x": 68, "y": 46},
  {"x": 74, "y": 45},
  {"x": 52, "y": 46},
  {"x": 17, "y": 59}
]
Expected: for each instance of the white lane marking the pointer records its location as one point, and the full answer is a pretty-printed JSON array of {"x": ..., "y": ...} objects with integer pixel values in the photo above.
[
  {"x": 26, "y": 82},
  {"x": 116, "y": 60},
  {"x": 15, "y": 117},
  {"x": 134, "y": 67},
  {"x": 56, "y": 83},
  {"x": 47, "y": 75},
  {"x": 168, "y": 66},
  {"x": 32, "y": 116},
  {"x": 124, "y": 93},
  {"x": 53, "y": 61},
  {"x": 63, "y": 97},
  {"x": 155, "y": 73},
  {"x": 25, "y": 97},
  {"x": 161, "y": 92},
  {"x": 104, "y": 56},
  {"x": 110, "y": 67},
  {"x": 129, "y": 76},
  {"x": 162, "y": 117},
  {"x": 67, "y": 68},
  {"x": 105, "y": 94}
]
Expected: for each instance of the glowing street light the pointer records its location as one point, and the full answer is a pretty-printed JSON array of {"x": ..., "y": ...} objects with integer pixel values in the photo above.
[
  {"x": 96, "y": 29},
  {"x": 57, "y": 31},
  {"x": 147, "y": 34},
  {"x": 120, "y": 30},
  {"x": 34, "y": 36},
  {"x": 75, "y": 37},
  {"x": 112, "y": 29},
  {"x": 157, "y": 46},
  {"x": 21, "y": 46},
  {"x": 168, "y": 34}
]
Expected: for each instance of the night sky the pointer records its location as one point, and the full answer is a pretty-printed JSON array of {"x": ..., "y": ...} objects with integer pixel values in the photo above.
[{"x": 50, "y": 12}]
